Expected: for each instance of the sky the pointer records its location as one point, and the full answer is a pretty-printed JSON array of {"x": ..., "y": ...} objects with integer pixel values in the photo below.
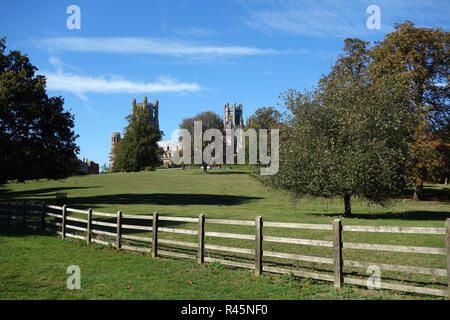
[{"x": 191, "y": 55}]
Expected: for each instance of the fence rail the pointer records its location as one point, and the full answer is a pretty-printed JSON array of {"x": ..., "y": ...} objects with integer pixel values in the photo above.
[{"x": 34, "y": 216}]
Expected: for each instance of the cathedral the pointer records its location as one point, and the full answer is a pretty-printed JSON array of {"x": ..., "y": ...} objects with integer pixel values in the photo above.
[
  {"x": 152, "y": 110},
  {"x": 232, "y": 119}
]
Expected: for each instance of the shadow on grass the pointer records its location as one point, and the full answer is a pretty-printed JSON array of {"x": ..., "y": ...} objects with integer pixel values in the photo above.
[
  {"x": 182, "y": 199},
  {"x": 44, "y": 192},
  {"x": 431, "y": 193},
  {"x": 227, "y": 172},
  {"x": 16, "y": 230},
  {"x": 436, "y": 194}
]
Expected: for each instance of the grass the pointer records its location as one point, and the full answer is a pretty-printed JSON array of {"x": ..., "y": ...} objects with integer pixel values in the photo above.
[
  {"x": 30, "y": 270},
  {"x": 231, "y": 195}
]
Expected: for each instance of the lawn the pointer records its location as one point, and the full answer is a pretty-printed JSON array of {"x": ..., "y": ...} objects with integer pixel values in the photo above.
[
  {"x": 33, "y": 266},
  {"x": 220, "y": 194}
]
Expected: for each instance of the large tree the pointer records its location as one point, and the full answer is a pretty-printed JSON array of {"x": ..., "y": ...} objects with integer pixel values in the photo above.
[
  {"x": 419, "y": 58},
  {"x": 138, "y": 149},
  {"x": 346, "y": 138},
  {"x": 264, "y": 118},
  {"x": 36, "y": 134},
  {"x": 210, "y": 120}
]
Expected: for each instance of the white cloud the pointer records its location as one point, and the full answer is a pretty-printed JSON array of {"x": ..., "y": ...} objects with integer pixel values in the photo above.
[
  {"x": 196, "y": 32},
  {"x": 312, "y": 18},
  {"x": 145, "y": 45},
  {"x": 80, "y": 85},
  {"x": 328, "y": 19}
]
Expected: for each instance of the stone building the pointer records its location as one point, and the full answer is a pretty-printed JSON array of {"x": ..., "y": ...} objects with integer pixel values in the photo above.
[
  {"x": 232, "y": 119},
  {"x": 115, "y": 139},
  {"x": 151, "y": 107},
  {"x": 88, "y": 167},
  {"x": 152, "y": 110},
  {"x": 169, "y": 147},
  {"x": 232, "y": 116}
]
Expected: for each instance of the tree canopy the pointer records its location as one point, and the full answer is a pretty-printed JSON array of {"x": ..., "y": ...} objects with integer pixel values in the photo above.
[
  {"x": 348, "y": 137},
  {"x": 210, "y": 120},
  {"x": 36, "y": 133},
  {"x": 419, "y": 58},
  {"x": 138, "y": 149},
  {"x": 264, "y": 118}
]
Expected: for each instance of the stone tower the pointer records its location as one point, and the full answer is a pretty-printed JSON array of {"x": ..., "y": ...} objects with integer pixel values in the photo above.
[
  {"x": 115, "y": 139},
  {"x": 232, "y": 116},
  {"x": 151, "y": 107},
  {"x": 233, "y": 119}
]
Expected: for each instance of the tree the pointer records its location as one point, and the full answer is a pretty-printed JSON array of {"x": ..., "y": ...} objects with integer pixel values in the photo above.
[
  {"x": 210, "y": 120},
  {"x": 347, "y": 137},
  {"x": 419, "y": 58},
  {"x": 138, "y": 149},
  {"x": 36, "y": 134},
  {"x": 264, "y": 118}
]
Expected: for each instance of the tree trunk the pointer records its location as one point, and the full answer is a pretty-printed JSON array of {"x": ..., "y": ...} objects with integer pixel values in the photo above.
[
  {"x": 418, "y": 191},
  {"x": 347, "y": 204},
  {"x": 446, "y": 182},
  {"x": 205, "y": 168}
]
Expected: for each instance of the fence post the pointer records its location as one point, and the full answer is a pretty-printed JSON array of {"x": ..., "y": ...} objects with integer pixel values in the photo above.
[
  {"x": 63, "y": 222},
  {"x": 23, "y": 214},
  {"x": 88, "y": 227},
  {"x": 258, "y": 245},
  {"x": 447, "y": 245},
  {"x": 201, "y": 239},
  {"x": 337, "y": 253},
  {"x": 43, "y": 216},
  {"x": 119, "y": 230},
  {"x": 8, "y": 222},
  {"x": 155, "y": 235}
]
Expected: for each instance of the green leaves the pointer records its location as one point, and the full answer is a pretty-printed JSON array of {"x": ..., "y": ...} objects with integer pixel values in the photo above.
[
  {"x": 345, "y": 137},
  {"x": 36, "y": 134},
  {"x": 138, "y": 149}
]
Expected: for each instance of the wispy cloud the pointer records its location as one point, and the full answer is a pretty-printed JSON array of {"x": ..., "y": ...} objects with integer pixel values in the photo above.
[
  {"x": 80, "y": 84},
  {"x": 144, "y": 45},
  {"x": 196, "y": 32},
  {"x": 320, "y": 19},
  {"x": 331, "y": 19}
]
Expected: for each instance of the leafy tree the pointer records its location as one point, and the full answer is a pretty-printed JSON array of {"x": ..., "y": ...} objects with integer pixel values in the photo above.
[
  {"x": 419, "y": 58},
  {"x": 210, "y": 120},
  {"x": 138, "y": 149},
  {"x": 264, "y": 118},
  {"x": 36, "y": 134},
  {"x": 347, "y": 137}
]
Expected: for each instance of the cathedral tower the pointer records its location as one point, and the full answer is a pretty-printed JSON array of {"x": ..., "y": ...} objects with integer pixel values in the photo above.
[
  {"x": 115, "y": 139},
  {"x": 152, "y": 109},
  {"x": 232, "y": 116}
]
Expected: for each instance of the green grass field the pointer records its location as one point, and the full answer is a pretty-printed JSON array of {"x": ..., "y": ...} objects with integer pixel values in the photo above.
[{"x": 26, "y": 273}]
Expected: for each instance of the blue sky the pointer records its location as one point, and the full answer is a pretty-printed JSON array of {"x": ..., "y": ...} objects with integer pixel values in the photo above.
[{"x": 191, "y": 55}]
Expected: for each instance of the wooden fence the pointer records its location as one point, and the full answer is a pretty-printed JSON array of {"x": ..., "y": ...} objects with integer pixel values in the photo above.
[{"x": 34, "y": 216}]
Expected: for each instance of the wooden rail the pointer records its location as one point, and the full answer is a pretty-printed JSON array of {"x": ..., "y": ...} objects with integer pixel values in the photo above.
[{"x": 34, "y": 216}]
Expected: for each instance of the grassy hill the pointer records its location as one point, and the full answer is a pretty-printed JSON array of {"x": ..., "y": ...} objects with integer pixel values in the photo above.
[{"x": 229, "y": 194}]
